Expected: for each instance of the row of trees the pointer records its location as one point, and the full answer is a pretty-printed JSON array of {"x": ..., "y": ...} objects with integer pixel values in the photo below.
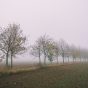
[
  {"x": 49, "y": 49},
  {"x": 12, "y": 43}
]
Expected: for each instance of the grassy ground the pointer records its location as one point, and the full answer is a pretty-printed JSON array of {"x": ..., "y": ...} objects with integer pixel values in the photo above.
[{"x": 63, "y": 76}]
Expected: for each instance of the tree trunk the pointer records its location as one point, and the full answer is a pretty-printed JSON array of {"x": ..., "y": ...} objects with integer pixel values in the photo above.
[
  {"x": 68, "y": 59},
  {"x": 45, "y": 60},
  {"x": 63, "y": 59},
  {"x": 7, "y": 60},
  {"x": 39, "y": 60},
  {"x": 63, "y": 56},
  {"x": 11, "y": 61}
]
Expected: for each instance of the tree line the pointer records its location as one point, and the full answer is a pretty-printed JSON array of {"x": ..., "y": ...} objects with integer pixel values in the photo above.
[
  {"x": 13, "y": 42},
  {"x": 47, "y": 48}
]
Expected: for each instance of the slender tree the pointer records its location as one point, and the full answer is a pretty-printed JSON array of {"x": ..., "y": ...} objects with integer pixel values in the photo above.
[
  {"x": 56, "y": 50},
  {"x": 74, "y": 52},
  {"x": 36, "y": 51},
  {"x": 62, "y": 47}
]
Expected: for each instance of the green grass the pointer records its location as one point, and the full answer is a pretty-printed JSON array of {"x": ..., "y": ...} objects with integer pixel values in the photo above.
[{"x": 62, "y": 76}]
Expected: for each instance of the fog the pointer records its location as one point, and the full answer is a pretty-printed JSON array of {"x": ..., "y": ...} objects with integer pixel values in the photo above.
[{"x": 66, "y": 19}]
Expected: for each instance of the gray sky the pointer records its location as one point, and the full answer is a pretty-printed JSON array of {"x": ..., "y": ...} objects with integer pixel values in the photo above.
[{"x": 67, "y": 19}]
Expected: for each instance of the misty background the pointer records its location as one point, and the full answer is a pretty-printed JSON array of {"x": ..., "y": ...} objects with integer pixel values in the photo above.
[{"x": 66, "y": 19}]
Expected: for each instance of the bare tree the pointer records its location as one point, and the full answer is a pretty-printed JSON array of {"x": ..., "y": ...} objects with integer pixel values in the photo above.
[
  {"x": 44, "y": 41},
  {"x": 12, "y": 42},
  {"x": 68, "y": 52},
  {"x": 83, "y": 54},
  {"x": 44, "y": 46},
  {"x": 36, "y": 51},
  {"x": 62, "y": 46},
  {"x": 56, "y": 50},
  {"x": 17, "y": 41},
  {"x": 74, "y": 52}
]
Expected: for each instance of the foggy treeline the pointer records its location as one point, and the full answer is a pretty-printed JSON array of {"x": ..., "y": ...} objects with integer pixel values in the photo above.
[
  {"x": 13, "y": 42},
  {"x": 47, "y": 48}
]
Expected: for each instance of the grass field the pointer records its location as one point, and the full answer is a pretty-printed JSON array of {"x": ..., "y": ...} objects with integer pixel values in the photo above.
[{"x": 61, "y": 76}]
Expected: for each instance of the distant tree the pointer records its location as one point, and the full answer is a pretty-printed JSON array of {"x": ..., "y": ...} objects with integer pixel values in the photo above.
[
  {"x": 83, "y": 54},
  {"x": 62, "y": 47},
  {"x": 56, "y": 50},
  {"x": 51, "y": 51},
  {"x": 74, "y": 52},
  {"x": 36, "y": 51},
  {"x": 68, "y": 52},
  {"x": 44, "y": 41}
]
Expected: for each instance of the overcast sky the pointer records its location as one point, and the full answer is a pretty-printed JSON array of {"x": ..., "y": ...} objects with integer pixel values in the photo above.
[{"x": 67, "y": 19}]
